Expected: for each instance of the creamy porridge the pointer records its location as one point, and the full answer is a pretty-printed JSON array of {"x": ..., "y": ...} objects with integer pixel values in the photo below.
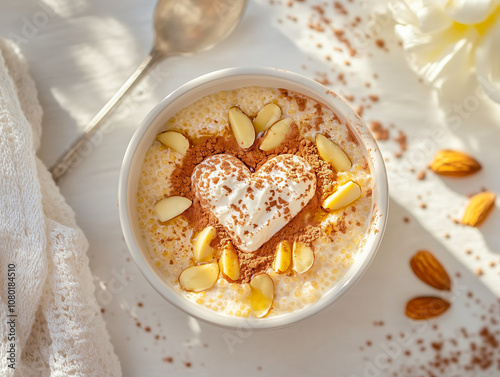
[{"x": 255, "y": 201}]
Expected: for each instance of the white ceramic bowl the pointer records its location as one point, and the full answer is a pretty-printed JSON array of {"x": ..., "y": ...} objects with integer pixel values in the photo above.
[{"x": 227, "y": 79}]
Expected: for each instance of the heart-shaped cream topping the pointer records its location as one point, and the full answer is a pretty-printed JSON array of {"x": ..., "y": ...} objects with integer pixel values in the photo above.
[{"x": 253, "y": 207}]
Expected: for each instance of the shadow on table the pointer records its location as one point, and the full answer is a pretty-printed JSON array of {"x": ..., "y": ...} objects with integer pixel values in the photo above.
[
  {"x": 78, "y": 60},
  {"x": 373, "y": 308}
]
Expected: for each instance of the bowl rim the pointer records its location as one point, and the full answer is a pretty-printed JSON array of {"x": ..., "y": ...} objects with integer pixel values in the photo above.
[{"x": 330, "y": 99}]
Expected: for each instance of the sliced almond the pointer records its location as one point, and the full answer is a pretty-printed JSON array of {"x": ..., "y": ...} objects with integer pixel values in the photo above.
[
  {"x": 478, "y": 209},
  {"x": 242, "y": 127},
  {"x": 175, "y": 141},
  {"x": 454, "y": 163},
  {"x": 302, "y": 257},
  {"x": 262, "y": 294},
  {"x": 266, "y": 117},
  {"x": 283, "y": 257},
  {"x": 343, "y": 196},
  {"x": 168, "y": 208},
  {"x": 428, "y": 269},
  {"x": 332, "y": 153},
  {"x": 421, "y": 308},
  {"x": 229, "y": 263},
  {"x": 202, "y": 250},
  {"x": 199, "y": 278},
  {"x": 275, "y": 135}
]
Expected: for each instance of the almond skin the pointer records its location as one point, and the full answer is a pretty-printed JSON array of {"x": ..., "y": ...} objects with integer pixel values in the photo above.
[
  {"x": 454, "y": 164},
  {"x": 478, "y": 209},
  {"x": 428, "y": 269},
  {"x": 421, "y": 308}
]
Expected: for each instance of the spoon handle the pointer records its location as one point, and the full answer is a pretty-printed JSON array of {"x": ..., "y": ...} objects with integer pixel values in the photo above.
[{"x": 76, "y": 151}]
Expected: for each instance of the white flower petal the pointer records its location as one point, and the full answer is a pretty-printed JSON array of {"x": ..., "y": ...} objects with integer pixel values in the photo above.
[
  {"x": 412, "y": 37},
  {"x": 402, "y": 13},
  {"x": 456, "y": 58},
  {"x": 470, "y": 12},
  {"x": 488, "y": 63},
  {"x": 417, "y": 5},
  {"x": 376, "y": 6},
  {"x": 433, "y": 19},
  {"x": 427, "y": 49},
  {"x": 441, "y": 40},
  {"x": 429, "y": 15},
  {"x": 436, "y": 59}
]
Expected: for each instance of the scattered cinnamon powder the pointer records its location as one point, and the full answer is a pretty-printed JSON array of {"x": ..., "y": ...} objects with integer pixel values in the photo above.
[
  {"x": 340, "y": 35},
  {"x": 323, "y": 80},
  {"x": 360, "y": 110},
  {"x": 319, "y": 9},
  {"x": 379, "y": 131},
  {"x": 316, "y": 27},
  {"x": 380, "y": 43},
  {"x": 341, "y": 78},
  {"x": 340, "y": 8},
  {"x": 401, "y": 140},
  {"x": 460, "y": 351}
]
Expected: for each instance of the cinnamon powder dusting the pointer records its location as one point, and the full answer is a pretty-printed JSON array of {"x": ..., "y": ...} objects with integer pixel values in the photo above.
[
  {"x": 305, "y": 227},
  {"x": 379, "y": 131}
]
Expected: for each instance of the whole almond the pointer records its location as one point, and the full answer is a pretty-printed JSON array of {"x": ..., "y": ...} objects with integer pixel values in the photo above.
[
  {"x": 478, "y": 209},
  {"x": 428, "y": 269},
  {"x": 454, "y": 163},
  {"x": 421, "y": 308}
]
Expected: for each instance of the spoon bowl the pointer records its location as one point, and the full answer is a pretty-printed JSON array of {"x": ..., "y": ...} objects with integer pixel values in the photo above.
[{"x": 192, "y": 26}]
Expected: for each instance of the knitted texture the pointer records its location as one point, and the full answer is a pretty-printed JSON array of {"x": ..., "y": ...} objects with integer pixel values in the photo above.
[{"x": 59, "y": 329}]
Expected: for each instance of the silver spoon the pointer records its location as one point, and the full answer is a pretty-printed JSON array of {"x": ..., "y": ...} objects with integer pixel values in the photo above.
[{"x": 182, "y": 27}]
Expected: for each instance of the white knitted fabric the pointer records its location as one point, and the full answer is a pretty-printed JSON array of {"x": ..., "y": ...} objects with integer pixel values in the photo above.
[{"x": 59, "y": 330}]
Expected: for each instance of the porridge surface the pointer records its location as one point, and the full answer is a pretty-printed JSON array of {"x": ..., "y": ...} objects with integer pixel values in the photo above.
[{"x": 343, "y": 232}]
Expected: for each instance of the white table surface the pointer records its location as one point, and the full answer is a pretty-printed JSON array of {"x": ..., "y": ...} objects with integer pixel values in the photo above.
[{"x": 83, "y": 50}]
